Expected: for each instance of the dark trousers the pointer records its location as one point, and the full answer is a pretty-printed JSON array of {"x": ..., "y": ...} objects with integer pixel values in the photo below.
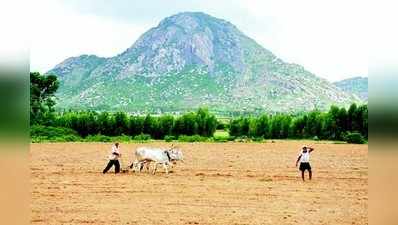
[{"x": 110, "y": 164}]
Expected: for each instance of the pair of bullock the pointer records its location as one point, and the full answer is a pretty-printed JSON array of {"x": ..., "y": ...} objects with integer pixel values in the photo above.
[{"x": 155, "y": 156}]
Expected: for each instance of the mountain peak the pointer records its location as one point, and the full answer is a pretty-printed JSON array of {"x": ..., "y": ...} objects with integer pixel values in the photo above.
[
  {"x": 190, "y": 21},
  {"x": 191, "y": 14},
  {"x": 192, "y": 59},
  {"x": 197, "y": 16},
  {"x": 187, "y": 39}
]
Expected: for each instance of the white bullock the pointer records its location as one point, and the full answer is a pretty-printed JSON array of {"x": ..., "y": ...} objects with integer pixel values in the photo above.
[{"x": 147, "y": 155}]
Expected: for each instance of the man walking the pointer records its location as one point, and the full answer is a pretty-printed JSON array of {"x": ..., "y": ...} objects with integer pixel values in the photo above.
[
  {"x": 113, "y": 159},
  {"x": 304, "y": 159}
]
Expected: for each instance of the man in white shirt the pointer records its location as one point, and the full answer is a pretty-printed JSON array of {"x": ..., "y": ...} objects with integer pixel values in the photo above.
[
  {"x": 304, "y": 159},
  {"x": 114, "y": 159}
]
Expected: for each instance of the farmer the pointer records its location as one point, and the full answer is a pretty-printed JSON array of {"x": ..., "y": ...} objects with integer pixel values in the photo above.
[
  {"x": 304, "y": 159},
  {"x": 114, "y": 159}
]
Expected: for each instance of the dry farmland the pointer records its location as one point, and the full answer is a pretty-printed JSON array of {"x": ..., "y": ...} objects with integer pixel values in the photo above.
[{"x": 219, "y": 183}]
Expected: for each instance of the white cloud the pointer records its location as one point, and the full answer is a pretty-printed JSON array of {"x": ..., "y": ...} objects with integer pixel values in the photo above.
[
  {"x": 14, "y": 42},
  {"x": 329, "y": 38},
  {"x": 59, "y": 33}
]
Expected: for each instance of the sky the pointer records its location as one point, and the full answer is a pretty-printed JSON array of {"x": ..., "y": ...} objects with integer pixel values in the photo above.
[{"x": 328, "y": 38}]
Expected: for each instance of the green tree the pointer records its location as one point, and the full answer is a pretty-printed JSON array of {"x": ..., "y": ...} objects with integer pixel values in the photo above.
[
  {"x": 351, "y": 120},
  {"x": 136, "y": 125},
  {"x": 190, "y": 124},
  {"x": 148, "y": 125},
  {"x": 342, "y": 122},
  {"x": 334, "y": 128},
  {"x": 297, "y": 127},
  {"x": 362, "y": 120},
  {"x": 105, "y": 123},
  {"x": 276, "y": 128},
  {"x": 234, "y": 128},
  {"x": 262, "y": 126},
  {"x": 166, "y": 124},
  {"x": 313, "y": 124},
  {"x": 121, "y": 125},
  {"x": 252, "y": 127},
  {"x": 42, "y": 90},
  {"x": 210, "y": 124},
  {"x": 286, "y": 122},
  {"x": 179, "y": 127},
  {"x": 244, "y": 127}
]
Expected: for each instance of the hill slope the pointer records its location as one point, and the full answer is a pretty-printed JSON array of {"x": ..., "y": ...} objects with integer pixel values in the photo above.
[
  {"x": 356, "y": 85},
  {"x": 190, "y": 60}
]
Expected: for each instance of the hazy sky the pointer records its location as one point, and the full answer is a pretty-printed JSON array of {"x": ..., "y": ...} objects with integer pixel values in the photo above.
[{"x": 327, "y": 37}]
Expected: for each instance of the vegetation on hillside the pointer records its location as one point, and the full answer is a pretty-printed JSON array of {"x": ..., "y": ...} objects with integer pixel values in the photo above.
[
  {"x": 355, "y": 85},
  {"x": 47, "y": 125}
]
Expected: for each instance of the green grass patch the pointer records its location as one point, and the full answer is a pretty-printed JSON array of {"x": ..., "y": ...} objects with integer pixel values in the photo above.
[
  {"x": 169, "y": 138},
  {"x": 221, "y": 134},
  {"x": 142, "y": 137},
  {"x": 193, "y": 138}
]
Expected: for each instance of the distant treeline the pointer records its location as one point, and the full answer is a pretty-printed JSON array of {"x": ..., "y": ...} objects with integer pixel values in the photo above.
[
  {"x": 87, "y": 123},
  {"x": 337, "y": 124},
  {"x": 332, "y": 125}
]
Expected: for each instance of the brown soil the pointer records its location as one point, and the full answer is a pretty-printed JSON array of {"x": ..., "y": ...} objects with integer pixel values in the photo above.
[{"x": 219, "y": 183}]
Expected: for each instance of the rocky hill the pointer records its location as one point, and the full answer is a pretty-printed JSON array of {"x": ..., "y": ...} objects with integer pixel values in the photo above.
[
  {"x": 190, "y": 60},
  {"x": 356, "y": 85}
]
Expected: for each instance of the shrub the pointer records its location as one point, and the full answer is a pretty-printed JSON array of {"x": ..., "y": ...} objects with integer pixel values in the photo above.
[
  {"x": 193, "y": 138},
  {"x": 122, "y": 138},
  {"x": 169, "y": 138},
  {"x": 231, "y": 138},
  {"x": 38, "y": 130},
  {"x": 243, "y": 139},
  {"x": 221, "y": 136},
  {"x": 315, "y": 138},
  {"x": 38, "y": 139},
  {"x": 52, "y": 134},
  {"x": 98, "y": 138},
  {"x": 71, "y": 138},
  {"x": 220, "y": 139},
  {"x": 258, "y": 139},
  {"x": 354, "y": 138},
  {"x": 142, "y": 137}
]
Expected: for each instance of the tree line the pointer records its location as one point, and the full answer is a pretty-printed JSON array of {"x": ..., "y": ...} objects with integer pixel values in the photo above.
[
  {"x": 87, "y": 123},
  {"x": 331, "y": 125}
]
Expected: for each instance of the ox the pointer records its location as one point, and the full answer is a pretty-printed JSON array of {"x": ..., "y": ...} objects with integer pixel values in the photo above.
[{"x": 147, "y": 155}]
